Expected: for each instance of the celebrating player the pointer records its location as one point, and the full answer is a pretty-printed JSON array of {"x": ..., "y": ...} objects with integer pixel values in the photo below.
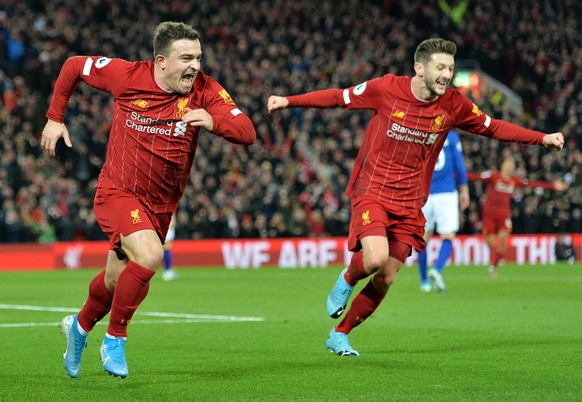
[
  {"x": 411, "y": 117},
  {"x": 496, "y": 209},
  {"x": 440, "y": 209},
  {"x": 160, "y": 107}
]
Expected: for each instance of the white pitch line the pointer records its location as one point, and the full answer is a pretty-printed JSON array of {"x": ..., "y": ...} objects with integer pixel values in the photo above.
[
  {"x": 138, "y": 322},
  {"x": 185, "y": 317}
]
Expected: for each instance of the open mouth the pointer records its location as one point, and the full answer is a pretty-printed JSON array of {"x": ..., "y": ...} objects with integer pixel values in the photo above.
[
  {"x": 188, "y": 80},
  {"x": 442, "y": 85}
]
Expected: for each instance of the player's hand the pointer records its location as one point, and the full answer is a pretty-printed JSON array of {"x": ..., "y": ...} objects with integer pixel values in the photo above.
[
  {"x": 560, "y": 186},
  {"x": 554, "y": 141},
  {"x": 198, "y": 118},
  {"x": 464, "y": 198},
  {"x": 50, "y": 135},
  {"x": 276, "y": 102}
]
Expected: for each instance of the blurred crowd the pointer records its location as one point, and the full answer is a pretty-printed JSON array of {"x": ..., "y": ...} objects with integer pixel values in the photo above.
[{"x": 291, "y": 182}]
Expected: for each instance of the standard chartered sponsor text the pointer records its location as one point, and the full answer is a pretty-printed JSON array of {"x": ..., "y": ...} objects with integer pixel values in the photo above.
[
  {"x": 149, "y": 125},
  {"x": 402, "y": 133}
]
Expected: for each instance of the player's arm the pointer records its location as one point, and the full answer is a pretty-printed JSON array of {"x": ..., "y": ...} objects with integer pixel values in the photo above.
[
  {"x": 483, "y": 176},
  {"x": 220, "y": 116},
  {"x": 319, "y": 99},
  {"x": 64, "y": 87},
  {"x": 473, "y": 120},
  {"x": 77, "y": 68},
  {"x": 362, "y": 96},
  {"x": 233, "y": 126},
  {"x": 557, "y": 185}
]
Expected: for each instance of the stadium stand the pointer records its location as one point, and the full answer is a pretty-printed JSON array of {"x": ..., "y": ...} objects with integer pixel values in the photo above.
[{"x": 291, "y": 182}]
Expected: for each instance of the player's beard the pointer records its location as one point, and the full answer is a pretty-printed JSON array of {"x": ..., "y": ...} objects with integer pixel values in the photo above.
[{"x": 431, "y": 85}]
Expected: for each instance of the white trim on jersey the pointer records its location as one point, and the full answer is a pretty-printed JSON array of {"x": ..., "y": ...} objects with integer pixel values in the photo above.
[
  {"x": 87, "y": 66},
  {"x": 347, "y": 99},
  {"x": 487, "y": 121},
  {"x": 235, "y": 112}
]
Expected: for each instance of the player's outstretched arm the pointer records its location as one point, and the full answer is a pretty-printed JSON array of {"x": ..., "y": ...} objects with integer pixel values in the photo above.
[
  {"x": 554, "y": 141},
  {"x": 275, "y": 103},
  {"x": 51, "y": 133}
]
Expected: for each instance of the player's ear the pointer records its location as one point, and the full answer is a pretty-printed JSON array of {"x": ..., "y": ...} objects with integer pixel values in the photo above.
[
  {"x": 419, "y": 69},
  {"x": 160, "y": 60}
]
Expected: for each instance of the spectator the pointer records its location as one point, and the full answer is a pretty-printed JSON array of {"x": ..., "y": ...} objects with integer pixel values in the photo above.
[
  {"x": 544, "y": 35},
  {"x": 564, "y": 249}
]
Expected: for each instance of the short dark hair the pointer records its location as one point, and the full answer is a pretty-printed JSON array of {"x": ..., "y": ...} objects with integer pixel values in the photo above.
[
  {"x": 428, "y": 47},
  {"x": 166, "y": 33}
]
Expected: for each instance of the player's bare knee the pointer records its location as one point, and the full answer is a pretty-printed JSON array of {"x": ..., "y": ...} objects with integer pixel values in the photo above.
[
  {"x": 150, "y": 259},
  {"x": 375, "y": 262}
]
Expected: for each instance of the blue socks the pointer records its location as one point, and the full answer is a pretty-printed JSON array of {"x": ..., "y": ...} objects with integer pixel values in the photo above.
[
  {"x": 422, "y": 267},
  {"x": 167, "y": 260},
  {"x": 444, "y": 254}
]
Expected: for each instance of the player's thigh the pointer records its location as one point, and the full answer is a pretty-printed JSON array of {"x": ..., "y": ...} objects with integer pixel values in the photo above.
[{"x": 133, "y": 230}]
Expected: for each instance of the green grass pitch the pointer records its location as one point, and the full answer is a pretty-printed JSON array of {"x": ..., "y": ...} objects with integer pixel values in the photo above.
[{"x": 260, "y": 335}]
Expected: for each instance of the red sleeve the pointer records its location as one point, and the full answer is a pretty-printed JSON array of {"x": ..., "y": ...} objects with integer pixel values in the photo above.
[
  {"x": 533, "y": 183},
  {"x": 64, "y": 87},
  {"x": 320, "y": 99},
  {"x": 505, "y": 131},
  {"x": 227, "y": 119},
  {"x": 472, "y": 119},
  {"x": 474, "y": 176},
  {"x": 483, "y": 176},
  {"x": 237, "y": 129}
]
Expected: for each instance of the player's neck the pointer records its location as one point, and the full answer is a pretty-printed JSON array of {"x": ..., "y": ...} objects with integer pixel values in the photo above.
[
  {"x": 160, "y": 82},
  {"x": 420, "y": 91}
]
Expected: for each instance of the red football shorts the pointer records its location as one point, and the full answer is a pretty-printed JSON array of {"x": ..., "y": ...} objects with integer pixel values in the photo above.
[
  {"x": 404, "y": 228},
  {"x": 121, "y": 213},
  {"x": 493, "y": 223}
]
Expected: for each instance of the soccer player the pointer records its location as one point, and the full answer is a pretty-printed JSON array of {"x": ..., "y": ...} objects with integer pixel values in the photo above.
[
  {"x": 440, "y": 209},
  {"x": 169, "y": 274},
  {"x": 160, "y": 106},
  {"x": 496, "y": 209},
  {"x": 389, "y": 184}
]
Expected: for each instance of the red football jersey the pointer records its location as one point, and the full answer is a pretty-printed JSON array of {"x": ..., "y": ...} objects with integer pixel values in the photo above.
[
  {"x": 499, "y": 190},
  {"x": 405, "y": 135},
  {"x": 150, "y": 150}
]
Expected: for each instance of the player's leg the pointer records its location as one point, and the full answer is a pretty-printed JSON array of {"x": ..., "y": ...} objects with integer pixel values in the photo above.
[
  {"x": 435, "y": 274},
  {"x": 447, "y": 223},
  {"x": 375, "y": 257},
  {"x": 368, "y": 219},
  {"x": 135, "y": 236},
  {"x": 489, "y": 235},
  {"x": 430, "y": 214},
  {"x": 425, "y": 285},
  {"x": 144, "y": 251},
  {"x": 503, "y": 235},
  {"x": 169, "y": 274},
  {"x": 98, "y": 304}
]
